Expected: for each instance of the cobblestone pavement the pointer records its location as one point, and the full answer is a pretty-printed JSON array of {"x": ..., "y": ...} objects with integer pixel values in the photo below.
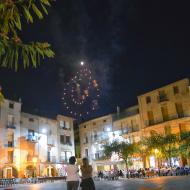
[{"x": 162, "y": 183}]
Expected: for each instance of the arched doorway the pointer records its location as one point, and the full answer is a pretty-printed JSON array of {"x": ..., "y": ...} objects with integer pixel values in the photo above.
[
  {"x": 10, "y": 172},
  {"x": 30, "y": 171}
]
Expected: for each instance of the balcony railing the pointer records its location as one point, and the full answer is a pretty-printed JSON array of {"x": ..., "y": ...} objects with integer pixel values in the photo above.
[
  {"x": 11, "y": 126},
  {"x": 162, "y": 98},
  {"x": 9, "y": 144},
  {"x": 67, "y": 143},
  {"x": 65, "y": 128},
  {"x": 32, "y": 138},
  {"x": 170, "y": 118}
]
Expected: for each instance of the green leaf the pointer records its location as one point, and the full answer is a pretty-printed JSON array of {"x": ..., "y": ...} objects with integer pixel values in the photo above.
[
  {"x": 44, "y": 9},
  {"x": 16, "y": 59},
  {"x": 37, "y": 11},
  {"x": 17, "y": 21},
  {"x": 46, "y": 2},
  {"x": 27, "y": 14}
]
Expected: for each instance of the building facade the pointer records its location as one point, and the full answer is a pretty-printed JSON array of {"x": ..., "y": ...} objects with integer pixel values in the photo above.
[
  {"x": 165, "y": 110},
  {"x": 93, "y": 135},
  {"x": 31, "y": 145}
]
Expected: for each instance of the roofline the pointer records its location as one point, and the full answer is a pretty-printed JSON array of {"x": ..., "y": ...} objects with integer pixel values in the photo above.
[
  {"x": 173, "y": 83},
  {"x": 95, "y": 119}
]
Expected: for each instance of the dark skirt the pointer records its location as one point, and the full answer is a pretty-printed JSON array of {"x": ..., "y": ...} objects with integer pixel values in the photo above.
[{"x": 87, "y": 184}]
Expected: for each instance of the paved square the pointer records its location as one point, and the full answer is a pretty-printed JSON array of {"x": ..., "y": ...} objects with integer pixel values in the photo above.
[{"x": 159, "y": 183}]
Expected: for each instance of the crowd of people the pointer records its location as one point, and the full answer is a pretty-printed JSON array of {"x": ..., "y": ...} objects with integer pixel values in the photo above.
[{"x": 143, "y": 173}]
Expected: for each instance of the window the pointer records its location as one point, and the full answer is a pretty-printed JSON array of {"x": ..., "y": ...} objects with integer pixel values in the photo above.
[
  {"x": 62, "y": 141},
  {"x": 95, "y": 136},
  {"x": 97, "y": 156},
  {"x": 164, "y": 111},
  {"x": 10, "y": 156},
  {"x": 31, "y": 132},
  {"x": 10, "y": 144},
  {"x": 150, "y": 117},
  {"x": 84, "y": 126},
  {"x": 48, "y": 156},
  {"x": 63, "y": 156},
  {"x": 86, "y": 139},
  {"x": 32, "y": 136},
  {"x": 67, "y": 126},
  {"x": 94, "y": 123},
  {"x": 10, "y": 138},
  {"x": 62, "y": 124},
  {"x": 68, "y": 155},
  {"x": 148, "y": 99},
  {"x": 162, "y": 96},
  {"x": 104, "y": 121},
  {"x": 179, "y": 109},
  {"x": 68, "y": 140},
  {"x": 86, "y": 152},
  {"x": 11, "y": 105},
  {"x": 175, "y": 89},
  {"x": 31, "y": 119},
  {"x": 10, "y": 120}
]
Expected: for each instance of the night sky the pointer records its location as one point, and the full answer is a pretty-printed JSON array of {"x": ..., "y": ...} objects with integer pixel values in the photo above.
[{"x": 132, "y": 47}]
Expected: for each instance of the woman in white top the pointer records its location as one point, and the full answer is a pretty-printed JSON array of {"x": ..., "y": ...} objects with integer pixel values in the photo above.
[{"x": 72, "y": 174}]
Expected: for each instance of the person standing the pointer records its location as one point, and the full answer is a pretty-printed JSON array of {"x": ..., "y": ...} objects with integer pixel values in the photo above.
[
  {"x": 87, "y": 181},
  {"x": 72, "y": 174}
]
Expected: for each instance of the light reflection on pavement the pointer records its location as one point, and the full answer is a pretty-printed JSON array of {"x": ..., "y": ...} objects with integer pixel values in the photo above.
[{"x": 159, "y": 183}]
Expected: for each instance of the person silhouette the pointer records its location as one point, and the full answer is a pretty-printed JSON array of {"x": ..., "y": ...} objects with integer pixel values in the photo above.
[{"x": 72, "y": 174}]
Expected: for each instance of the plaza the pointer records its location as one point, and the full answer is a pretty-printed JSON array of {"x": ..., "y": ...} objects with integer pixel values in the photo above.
[{"x": 157, "y": 183}]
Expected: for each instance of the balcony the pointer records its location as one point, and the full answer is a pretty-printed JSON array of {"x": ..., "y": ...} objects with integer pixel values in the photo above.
[
  {"x": 65, "y": 128},
  {"x": 51, "y": 143},
  {"x": 32, "y": 138},
  {"x": 10, "y": 144},
  {"x": 67, "y": 143},
  {"x": 11, "y": 126},
  {"x": 169, "y": 118},
  {"x": 162, "y": 98}
]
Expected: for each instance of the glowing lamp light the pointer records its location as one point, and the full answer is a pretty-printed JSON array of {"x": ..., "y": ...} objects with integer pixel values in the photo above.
[
  {"x": 156, "y": 151},
  {"x": 44, "y": 130},
  {"x": 82, "y": 63},
  {"x": 34, "y": 159}
]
